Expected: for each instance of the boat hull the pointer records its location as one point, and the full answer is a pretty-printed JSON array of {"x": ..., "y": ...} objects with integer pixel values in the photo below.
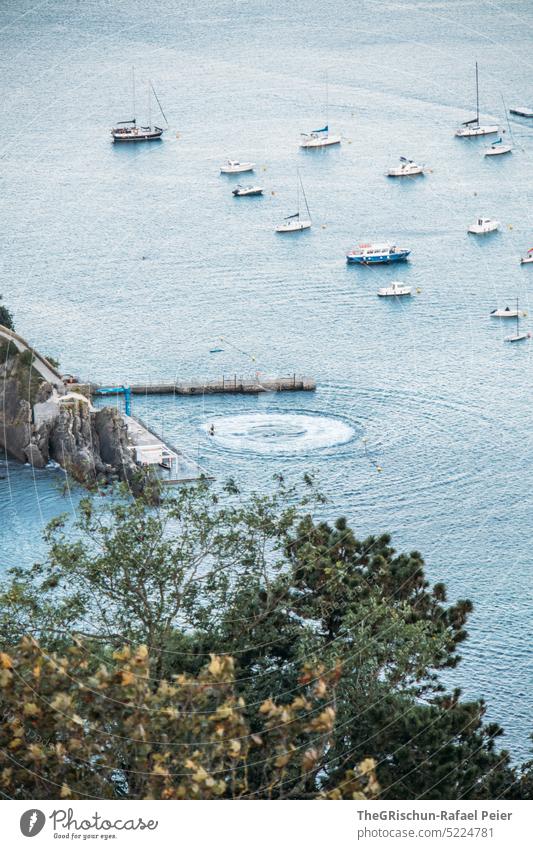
[
  {"x": 474, "y": 132},
  {"x": 526, "y": 260},
  {"x": 498, "y": 151},
  {"x": 482, "y": 231},
  {"x": 404, "y": 172},
  {"x": 126, "y": 137},
  {"x": 247, "y": 194},
  {"x": 329, "y": 141},
  {"x": 243, "y": 168},
  {"x": 522, "y": 111},
  {"x": 293, "y": 228},
  {"x": 376, "y": 259}
]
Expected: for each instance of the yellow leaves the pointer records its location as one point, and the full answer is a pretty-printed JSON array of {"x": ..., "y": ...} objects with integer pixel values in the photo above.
[
  {"x": 15, "y": 744},
  {"x": 282, "y": 760},
  {"x": 309, "y": 760},
  {"x": 127, "y": 678},
  {"x": 5, "y": 661},
  {"x": 37, "y": 670},
  {"x": 141, "y": 655},
  {"x": 122, "y": 654},
  {"x": 35, "y": 752},
  {"x": 221, "y": 668},
  {"x": 234, "y": 748},
  {"x": 66, "y": 792},
  {"x": 160, "y": 771},
  {"x": 5, "y": 677},
  {"x": 31, "y": 709},
  {"x": 62, "y": 702},
  {"x": 268, "y": 707},
  {"x": 325, "y": 720}
]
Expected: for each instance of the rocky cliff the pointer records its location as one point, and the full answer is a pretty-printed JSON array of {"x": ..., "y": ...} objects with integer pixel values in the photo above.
[{"x": 42, "y": 421}]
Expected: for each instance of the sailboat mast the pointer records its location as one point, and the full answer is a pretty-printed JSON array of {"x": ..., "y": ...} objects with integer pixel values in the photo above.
[
  {"x": 327, "y": 100},
  {"x": 517, "y": 319},
  {"x": 133, "y": 90},
  {"x": 149, "y": 103},
  {"x": 298, "y": 192},
  {"x": 477, "y": 94},
  {"x": 305, "y": 199}
]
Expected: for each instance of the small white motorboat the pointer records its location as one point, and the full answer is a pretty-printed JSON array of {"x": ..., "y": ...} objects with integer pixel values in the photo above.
[
  {"x": 294, "y": 223},
  {"x": 484, "y": 225},
  {"x": 506, "y": 313},
  {"x": 527, "y": 258},
  {"x": 395, "y": 290},
  {"x": 233, "y": 166},
  {"x": 472, "y": 128},
  {"x": 497, "y": 148},
  {"x": 247, "y": 191},
  {"x": 406, "y": 168},
  {"x": 523, "y": 111}
]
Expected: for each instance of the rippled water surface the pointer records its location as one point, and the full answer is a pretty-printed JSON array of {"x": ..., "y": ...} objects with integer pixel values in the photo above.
[{"x": 132, "y": 263}]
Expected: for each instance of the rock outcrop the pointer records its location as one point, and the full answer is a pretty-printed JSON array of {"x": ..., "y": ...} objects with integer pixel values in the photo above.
[{"x": 42, "y": 421}]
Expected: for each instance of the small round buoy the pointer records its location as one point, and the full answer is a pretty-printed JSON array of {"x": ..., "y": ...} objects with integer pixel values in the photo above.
[
  {"x": 510, "y": 226},
  {"x": 177, "y": 135},
  {"x": 272, "y": 193},
  {"x": 418, "y": 290}
]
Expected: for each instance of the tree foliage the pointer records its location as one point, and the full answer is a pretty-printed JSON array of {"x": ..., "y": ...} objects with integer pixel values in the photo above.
[
  {"x": 72, "y": 730},
  {"x": 6, "y": 318},
  {"x": 260, "y": 580}
]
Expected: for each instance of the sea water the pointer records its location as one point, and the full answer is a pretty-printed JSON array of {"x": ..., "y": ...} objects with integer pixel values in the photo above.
[{"x": 131, "y": 263}]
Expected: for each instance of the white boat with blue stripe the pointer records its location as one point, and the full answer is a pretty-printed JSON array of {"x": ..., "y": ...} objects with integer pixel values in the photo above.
[{"x": 368, "y": 254}]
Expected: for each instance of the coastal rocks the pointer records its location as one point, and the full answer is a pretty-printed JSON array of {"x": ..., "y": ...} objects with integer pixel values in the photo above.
[{"x": 41, "y": 421}]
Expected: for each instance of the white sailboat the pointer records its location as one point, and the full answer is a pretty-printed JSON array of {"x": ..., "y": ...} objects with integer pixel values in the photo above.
[
  {"x": 294, "y": 223},
  {"x": 233, "y": 166},
  {"x": 518, "y": 336},
  {"x": 472, "y": 128},
  {"x": 499, "y": 147},
  {"x": 322, "y": 137},
  {"x": 524, "y": 260}
]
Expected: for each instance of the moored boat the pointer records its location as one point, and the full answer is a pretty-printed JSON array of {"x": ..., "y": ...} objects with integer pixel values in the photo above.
[
  {"x": 319, "y": 138},
  {"x": 506, "y": 313},
  {"x": 523, "y": 111},
  {"x": 395, "y": 290},
  {"x": 247, "y": 191},
  {"x": 371, "y": 254},
  {"x": 233, "y": 166},
  {"x": 130, "y": 131},
  {"x": 498, "y": 148},
  {"x": 527, "y": 258},
  {"x": 472, "y": 127},
  {"x": 406, "y": 168},
  {"x": 294, "y": 223},
  {"x": 484, "y": 225},
  {"x": 517, "y": 336},
  {"x": 322, "y": 137}
]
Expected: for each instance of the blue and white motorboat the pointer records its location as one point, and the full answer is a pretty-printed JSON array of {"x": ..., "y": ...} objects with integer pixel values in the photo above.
[{"x": 368, "y": 254}]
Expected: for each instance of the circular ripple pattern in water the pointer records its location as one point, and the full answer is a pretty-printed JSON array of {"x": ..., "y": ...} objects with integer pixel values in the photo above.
[{"x": 279, "y": 433}]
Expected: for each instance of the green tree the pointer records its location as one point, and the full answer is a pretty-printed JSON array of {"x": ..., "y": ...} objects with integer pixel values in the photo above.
[
  {"x": 261, "y": 580},
  {"x": 6, "y": 319}
]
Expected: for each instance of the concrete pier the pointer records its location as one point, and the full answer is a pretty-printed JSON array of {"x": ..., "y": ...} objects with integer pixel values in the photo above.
[
  {"x": 227, "y": 384},
  {"x": 149, "y": 449}
]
